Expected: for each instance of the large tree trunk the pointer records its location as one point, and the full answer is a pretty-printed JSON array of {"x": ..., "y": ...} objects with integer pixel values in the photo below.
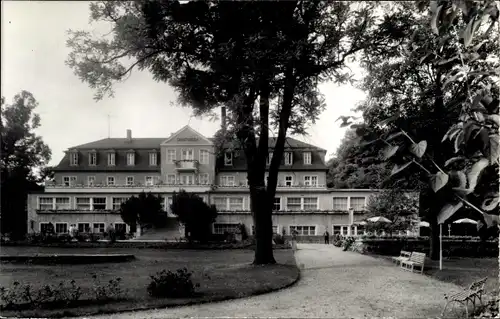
[
  {"x": 434, "y": 239},
  {"x": 262, "y": 215}
]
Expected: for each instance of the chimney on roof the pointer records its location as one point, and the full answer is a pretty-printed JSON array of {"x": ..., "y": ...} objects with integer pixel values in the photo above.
[
  {"x": 129, "y": 135},
  {"x": 223, "y": 120}
]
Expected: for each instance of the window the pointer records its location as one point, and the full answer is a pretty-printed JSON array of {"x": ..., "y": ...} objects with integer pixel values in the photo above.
[
  {"x": 171, "y": 179},
  {"x": 45, "y": 203},
  {"x": 110, "y": 180},
  {"x": 223, "y": 228},
  {"x": 117, "y": 202},
  {"x": 203, "y": 179},
  {"x": 220, "y": 203},
  {"x": 289, "y": 180},
  {"x": 83, "y": 203},
  {"x": 236, "y": 203},
  {"x": 227, "y": 180},
  {"x": 62, "y": 203},
  {"x": 98, "y": 227},
  {"x": 171, "y": 156},
  {"x": 130, "y": 180},
  {"x": 310, "y": 203},
  {"x": 311, "y": 180},
  {"x": 149, "y": 181},
  {"x": 204, "y": 157},
  {"x": 277, "y": 203},
  {"x": 275, "y": 230},
  {"x": 93, "y": 159},
  {"x": 99, "y": 203},
  {"x": 228, "y": 158},
  {"x": 304, "y": 230},
  {"x": 73, "y": 159},
  {"x": 293, "y": 203},
  {"x": 302, "y": 203},
  {"x": 111, "y": 159},
  {"x": 44, "y": 227},
  {"x": 358, "y": 203},
  {"x": 187, "y": 179},
  {"x": 187, "y": 154},
  {"x": 90, "y": 180},
  {"x": 169, "y": 201},
  {"x": 269, "y": 158},
  {"x": 83, "y": 227},
  {"x": 307, "y": 158},
  {"x": 130, "y": 159},
  {"x": 340, "y": 203},
  {"x": 340, "y": 229},
  {"x": 153, "y": 159},
  {"x": 288, "y": 158},
  {"x": 120, "y": 227},
  {"x": 69, "y": 180},
  {"x": 61, "y": 228}
]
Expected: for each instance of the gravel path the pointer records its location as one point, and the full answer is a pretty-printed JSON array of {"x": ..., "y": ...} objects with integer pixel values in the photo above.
[{"x": 334, "y": 284}]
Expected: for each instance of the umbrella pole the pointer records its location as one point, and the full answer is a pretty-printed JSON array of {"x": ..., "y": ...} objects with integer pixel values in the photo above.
[{"x": 440, "y": 246}]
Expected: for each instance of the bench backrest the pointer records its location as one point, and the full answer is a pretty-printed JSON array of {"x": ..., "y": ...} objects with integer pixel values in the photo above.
[
  {"x": 417, "y": 257},
  {"x": 405, "y": 253},
  {"x": 478, "y": 285}
]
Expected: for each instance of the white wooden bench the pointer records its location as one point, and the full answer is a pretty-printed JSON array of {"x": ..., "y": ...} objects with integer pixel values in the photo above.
[
  {"x": 403, "y": 255},
  {"x": 475, "y": 290},
  {"x": 416, "y": 259}
]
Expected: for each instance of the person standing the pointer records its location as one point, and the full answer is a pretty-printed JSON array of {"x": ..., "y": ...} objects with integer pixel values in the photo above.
[
  {"x": 111, "y": 233},
  {"x": 327, "y": 237}
]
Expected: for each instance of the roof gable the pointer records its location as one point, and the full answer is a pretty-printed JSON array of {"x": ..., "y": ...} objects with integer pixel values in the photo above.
[{"x": 187, "y": 136}]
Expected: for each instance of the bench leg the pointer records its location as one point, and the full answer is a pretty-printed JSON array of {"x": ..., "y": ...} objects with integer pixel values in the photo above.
[{"x": 444, "y": 309}]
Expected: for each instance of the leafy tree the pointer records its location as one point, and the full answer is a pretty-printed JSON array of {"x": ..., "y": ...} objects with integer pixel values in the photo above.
[
  {"x": 398, "y": 206},
  {"x": 22, "y": 153},
  {"x": 234, "y": 54},
  {"x": 195, "y": 214},
  {"x": 435, "y": 103},
  {"x": 146, "y": 208}
]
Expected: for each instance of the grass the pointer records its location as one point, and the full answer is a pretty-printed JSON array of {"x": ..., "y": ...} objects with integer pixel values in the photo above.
[{"x": 222, "y": 274}]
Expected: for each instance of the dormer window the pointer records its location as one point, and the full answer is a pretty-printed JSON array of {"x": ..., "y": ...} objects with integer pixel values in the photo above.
[
  {"x": 111, "y": 159},
  {"x": 288, "y": 158},
  {"x": 307, "y": 158},
  {"x": 130, "y": 159},
  {"x": 73, "y": 158},
  {"x": 153, "y": 159},
  {"x": 228, "y": 158},
  {"x": 93, "y": 158},
  {"x": 269, "y": 158}
]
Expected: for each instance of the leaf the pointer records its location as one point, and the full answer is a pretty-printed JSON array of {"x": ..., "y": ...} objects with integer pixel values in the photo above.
[
  {"x": 393, "y": 136},
  {"x": 490, "y": 219},
  {"x": 389, "y": 120},
  {"x": 495, "y": 118},
  {"x": 345, "y": 124},
  {"x": 453, "y": 78},
  {"x": 419, "y": 149},
  {"x": 490, "y": 202},
  {"x": 434, "y": 19},
  {"x": 396, "y": 169},
  {"x": 390, "y": 151},
  {"x": 458, "y": 141},
  {"x": 438, "y": 181},
  {"x": 494, "y": 150},
  {"x": 453, "y": 160},
  {"x": 462, "y": 191},
  {"x": 447, "y": 211},
  {"x": 474, "y": 172}
]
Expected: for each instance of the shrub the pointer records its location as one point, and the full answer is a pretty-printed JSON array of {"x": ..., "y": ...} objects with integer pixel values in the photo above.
[
  {"x": 63, "y": 238},
  {"x": 279, "y": 239},
  {"x": 243, "y": 231},
  {"x": 347, "y": 242},
  {"x": 111, "y": 290},
  {"x": 172, "y": 285}
]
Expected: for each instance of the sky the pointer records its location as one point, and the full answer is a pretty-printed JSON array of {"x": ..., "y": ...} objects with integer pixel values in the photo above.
[{"x": 33, "y": 42}]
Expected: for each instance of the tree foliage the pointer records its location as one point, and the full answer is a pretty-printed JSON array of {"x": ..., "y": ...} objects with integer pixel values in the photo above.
[
  {"x": 146, "y": 208},
  {"x": 195, "y": 214},
  {"x": 400, "y": 207},
  {"x": 23, "y": 152},
  {"x": 263, "y": 60}
]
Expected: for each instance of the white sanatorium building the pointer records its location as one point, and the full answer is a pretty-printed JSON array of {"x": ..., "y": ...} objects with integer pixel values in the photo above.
[{"x": 93, "y": 179}]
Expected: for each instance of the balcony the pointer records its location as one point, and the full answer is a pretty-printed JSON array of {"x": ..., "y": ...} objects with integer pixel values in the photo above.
[{"x": 186, "y": 165}]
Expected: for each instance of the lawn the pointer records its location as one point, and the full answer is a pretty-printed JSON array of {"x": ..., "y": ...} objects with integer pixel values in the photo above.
[{"x": 222, "y": 274}]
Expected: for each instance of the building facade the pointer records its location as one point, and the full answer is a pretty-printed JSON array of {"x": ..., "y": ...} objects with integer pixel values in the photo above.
[{"x": 93, "y": 179}]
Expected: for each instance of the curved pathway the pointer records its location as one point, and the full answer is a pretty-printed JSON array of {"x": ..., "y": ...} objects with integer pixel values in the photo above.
[{"x": 334, "y": 284}]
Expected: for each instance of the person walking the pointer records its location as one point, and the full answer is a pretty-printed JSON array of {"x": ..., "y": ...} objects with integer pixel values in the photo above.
[{"x": 327, "y": 237}]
